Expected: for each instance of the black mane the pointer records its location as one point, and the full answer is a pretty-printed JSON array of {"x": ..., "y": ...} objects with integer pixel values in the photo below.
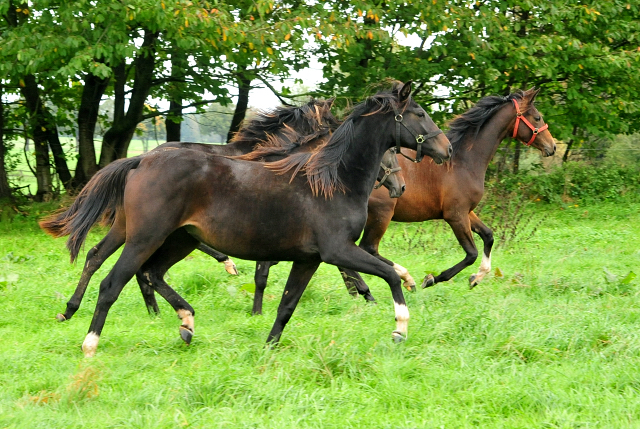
[
  {"x": 475, "y": 118},
  {"x": 321, "y": 166},
  {"x": 306, "y": 119}
]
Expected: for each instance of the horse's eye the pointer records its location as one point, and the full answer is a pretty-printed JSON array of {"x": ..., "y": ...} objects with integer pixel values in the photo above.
[
  {"x": 420, "y": 114},
  {"x": 537, "y": 118}
]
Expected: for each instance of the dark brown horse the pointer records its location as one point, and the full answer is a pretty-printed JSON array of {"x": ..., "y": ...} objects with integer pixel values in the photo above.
[
  {"x": 453, "y": 190},
  {"x": 313, "y": 120},
  {"x": 253, "y": 213}
]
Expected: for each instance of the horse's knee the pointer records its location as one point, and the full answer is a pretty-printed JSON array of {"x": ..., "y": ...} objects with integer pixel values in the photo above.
[{"x": 472, "y": 255}]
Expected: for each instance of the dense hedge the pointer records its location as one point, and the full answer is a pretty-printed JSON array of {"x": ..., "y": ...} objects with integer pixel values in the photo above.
[{"x": 572, "y": 182}]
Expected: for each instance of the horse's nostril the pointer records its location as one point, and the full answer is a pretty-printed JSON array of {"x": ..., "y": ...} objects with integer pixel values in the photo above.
[
  {"x": 554, "y": 147},
  {"x": 450, "y": 150},
  {"x": 404, "y": 187}
]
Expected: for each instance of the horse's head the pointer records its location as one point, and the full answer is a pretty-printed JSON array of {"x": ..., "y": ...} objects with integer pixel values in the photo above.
[
  {"x": 414, "y": 129},
  {"x": 389, "y": 175},
  {"x": 529, "y": 127}
]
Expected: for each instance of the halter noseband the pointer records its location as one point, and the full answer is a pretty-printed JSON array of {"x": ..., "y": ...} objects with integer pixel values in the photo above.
[
  {"x": 419, "y": 137},
  {"x": 520, "y": 117},
  {"x": 387, "y": 172}
]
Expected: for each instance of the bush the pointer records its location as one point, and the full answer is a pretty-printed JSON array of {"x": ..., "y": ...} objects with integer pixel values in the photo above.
[{"x": 572, "y": 182}]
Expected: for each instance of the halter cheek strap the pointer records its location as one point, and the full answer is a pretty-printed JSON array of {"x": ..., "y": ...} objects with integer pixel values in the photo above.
[
  {"x": 520, "y": 117},
  {"x": 420, "y": 138},
  {"x": 387, "y": 172}
]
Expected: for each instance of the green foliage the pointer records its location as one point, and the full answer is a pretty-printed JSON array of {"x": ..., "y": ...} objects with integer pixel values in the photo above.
[{"x": 574, "y": 182}]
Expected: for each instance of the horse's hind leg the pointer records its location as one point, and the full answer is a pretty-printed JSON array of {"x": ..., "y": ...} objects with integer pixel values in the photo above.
[
  {"x": 130, "y": 261},
  {"x": 174, "y": 249},
  {"x": 462, "y": 230},
  {"x": 95, "y": 258},
  {"x": 487, "y": 237},
  {"x": 229, "y": 265},
  {"x": 301, "y": 273},
  {"x": 260, "y": 279}
]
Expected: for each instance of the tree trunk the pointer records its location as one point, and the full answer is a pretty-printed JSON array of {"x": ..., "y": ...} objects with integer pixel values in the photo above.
[
  {"x": 115, "y": 142},
  {"x": 244, "y": 86},
  {"x": 516, "y": 157},
  {"x": 92, "y": 92},
  {"x": 178, "y": 63},
  {"x": 565, "y": 157},
  {"x": 5, "y": 189},
  {"x": 39, "y": 134}
]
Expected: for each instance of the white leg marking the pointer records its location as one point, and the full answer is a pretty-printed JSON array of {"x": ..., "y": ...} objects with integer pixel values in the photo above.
[
  {"x": 485, "y": 268},
  {"x": 485, "y": 265},
  {"x": 400, "y": 270},
  {"x": 187, "y": 319},
  {"x": 230, "y": 267},
  {"x": 402, "y": 318},
  {"x": 409, "y": 282},
  {"x": 90, "y": 344}
]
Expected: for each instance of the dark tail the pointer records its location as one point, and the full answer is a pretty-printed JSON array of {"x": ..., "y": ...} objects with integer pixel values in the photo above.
[{"x": 102, "y": 196}]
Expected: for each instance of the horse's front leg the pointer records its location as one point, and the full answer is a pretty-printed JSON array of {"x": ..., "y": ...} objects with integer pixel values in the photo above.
[
  {"x": 301, "y": 273},
  {"x": 487, "y": 237},
  {"x": 355, "y": 284},
  {"x": 462, "y": 229}
]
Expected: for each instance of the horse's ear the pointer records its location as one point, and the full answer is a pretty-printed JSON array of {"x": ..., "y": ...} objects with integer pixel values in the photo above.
[
  {"x": 531, "y": 94},
  {"x": 329, "y": 102},
  {"x": 405, "y": 91}
]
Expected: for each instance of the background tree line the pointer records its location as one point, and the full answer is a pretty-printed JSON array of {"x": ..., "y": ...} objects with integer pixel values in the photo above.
[{"x": 59, "y": 59}]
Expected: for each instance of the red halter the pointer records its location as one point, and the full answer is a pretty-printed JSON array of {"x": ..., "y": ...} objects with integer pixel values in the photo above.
[{"x": 519, "y": 117}]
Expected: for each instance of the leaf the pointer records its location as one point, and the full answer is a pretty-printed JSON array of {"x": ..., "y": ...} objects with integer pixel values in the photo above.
[
  {"x": 248, "y": 287},
  {"x": 498, "y": 273},
  {"x": 629, "y": 278}
]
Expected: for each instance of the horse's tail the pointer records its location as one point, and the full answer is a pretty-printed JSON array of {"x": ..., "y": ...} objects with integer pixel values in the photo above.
[{"x": 102, "y": 196}]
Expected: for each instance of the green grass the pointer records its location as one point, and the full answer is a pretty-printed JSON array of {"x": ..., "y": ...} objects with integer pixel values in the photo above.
[{"x": 550, "y": 344}]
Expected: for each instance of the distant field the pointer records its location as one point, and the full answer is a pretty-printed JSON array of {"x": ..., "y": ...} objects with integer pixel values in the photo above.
[
  {"x": 22, "y": 175},
  {"x": 552, "y": 343}
]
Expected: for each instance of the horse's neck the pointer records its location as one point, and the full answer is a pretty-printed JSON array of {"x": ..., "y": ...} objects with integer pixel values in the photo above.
[
  {"x": 361, "y": 163},
  {"x": 476, "y": 152}
]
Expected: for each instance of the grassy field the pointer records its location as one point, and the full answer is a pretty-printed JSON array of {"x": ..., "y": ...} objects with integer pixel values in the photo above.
[{"x": 552, "y": 343}]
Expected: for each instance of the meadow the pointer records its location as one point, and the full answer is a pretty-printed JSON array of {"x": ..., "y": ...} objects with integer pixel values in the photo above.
[{"x": 550, "y": 339}]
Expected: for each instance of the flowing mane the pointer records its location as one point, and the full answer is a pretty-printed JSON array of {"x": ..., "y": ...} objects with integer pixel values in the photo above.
[
  {"x": 321, "y": 166},
  {"x": 475, "y": 118},
  {"x": 307, "y": 119}
]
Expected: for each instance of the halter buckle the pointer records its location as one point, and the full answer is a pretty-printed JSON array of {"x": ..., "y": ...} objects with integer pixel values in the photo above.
[
  {"x": 399, "y": 117},
  {"x": 420, "y": 138}
]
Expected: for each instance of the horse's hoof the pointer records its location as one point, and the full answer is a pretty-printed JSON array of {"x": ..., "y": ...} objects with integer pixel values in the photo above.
[
  {"x": 186, "y": 334},
  {"x": 231, "y": 268},
  {"x": 60, "y": 317},
  {"x": 398, "y": 337},
  {"x": 472, "y": 281},
  {"x": 428, "y": 281},
  {"x": 370, "y": 299},
  {"x": 410, "y": 287}
]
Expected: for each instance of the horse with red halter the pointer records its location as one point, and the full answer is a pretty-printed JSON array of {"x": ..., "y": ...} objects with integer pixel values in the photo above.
[
  {"x": 453, "y": 190},
  {"x": 252, "y": 212}
]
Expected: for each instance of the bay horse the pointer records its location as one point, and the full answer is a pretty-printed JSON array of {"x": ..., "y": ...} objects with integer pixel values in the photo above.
[
  {"x": 262, "y": 213},
  {"x": 312, "y": 120},
  {"x": 453, "y": 190}
]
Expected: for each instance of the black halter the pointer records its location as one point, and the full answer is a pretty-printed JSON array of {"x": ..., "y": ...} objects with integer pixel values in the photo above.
[{"x": 419, "y": 137}]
